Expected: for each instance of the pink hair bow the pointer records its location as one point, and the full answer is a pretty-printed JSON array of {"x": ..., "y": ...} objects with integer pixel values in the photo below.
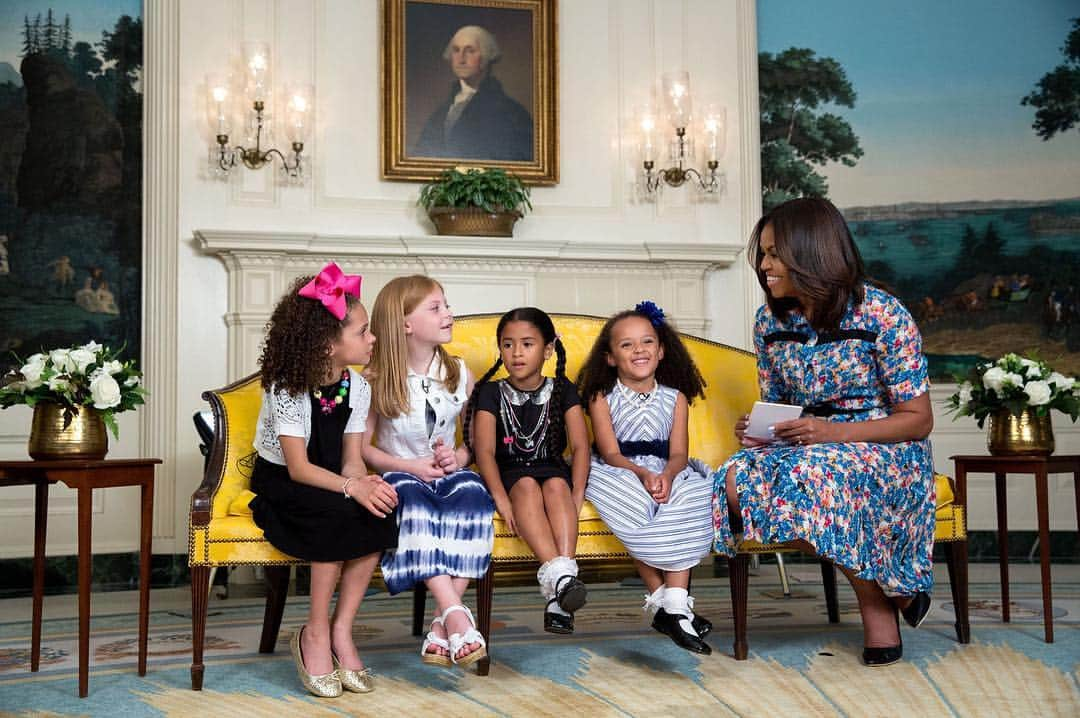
[{"x": 330, "y": 286}]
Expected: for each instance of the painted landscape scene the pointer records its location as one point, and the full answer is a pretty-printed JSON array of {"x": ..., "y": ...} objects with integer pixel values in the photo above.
[{"x": 952, "y": 147}]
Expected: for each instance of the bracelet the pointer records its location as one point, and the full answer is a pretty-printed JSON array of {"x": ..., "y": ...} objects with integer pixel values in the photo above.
[{"x": 345, "y": 489}]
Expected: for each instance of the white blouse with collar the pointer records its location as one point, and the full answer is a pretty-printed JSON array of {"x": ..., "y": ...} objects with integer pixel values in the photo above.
[
  {"x": 406, "y": 436},
  {"x": 283, "y": 414}
]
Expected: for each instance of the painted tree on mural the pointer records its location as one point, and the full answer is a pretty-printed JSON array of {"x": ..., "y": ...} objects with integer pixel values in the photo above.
[
  {"x": 1057, "y": 95},
  {"x": 797, "y": 134}
]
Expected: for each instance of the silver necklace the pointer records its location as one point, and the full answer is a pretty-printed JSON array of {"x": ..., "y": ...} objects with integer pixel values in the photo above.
[{"x": 527, "y": 442}]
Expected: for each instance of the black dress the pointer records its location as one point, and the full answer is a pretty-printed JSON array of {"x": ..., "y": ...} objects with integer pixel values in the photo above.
[
  {"x": 522, "y": 420},
  {"x": 310, "y": 523}
]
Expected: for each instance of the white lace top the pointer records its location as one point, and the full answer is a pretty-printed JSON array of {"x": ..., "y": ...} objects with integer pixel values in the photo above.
[
  {"x": 283, "y": 414},
  {"x": 406, "y": 435}
]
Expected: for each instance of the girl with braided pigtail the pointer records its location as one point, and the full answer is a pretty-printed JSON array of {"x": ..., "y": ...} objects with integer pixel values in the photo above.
[{"x": 518, "y": 431}]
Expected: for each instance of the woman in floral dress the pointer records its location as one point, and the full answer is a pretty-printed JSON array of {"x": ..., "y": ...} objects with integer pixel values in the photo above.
[{"x": 852, "y": 480}]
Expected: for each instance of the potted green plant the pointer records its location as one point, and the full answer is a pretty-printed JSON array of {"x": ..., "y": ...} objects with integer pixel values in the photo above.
[{"x": 475, "y": 201}]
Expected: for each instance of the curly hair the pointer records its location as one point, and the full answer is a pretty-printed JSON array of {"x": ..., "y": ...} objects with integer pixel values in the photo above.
[
  {"x": 814, "y": 243},
  {"x": 389, "y": 370},
  {"x": 539, "y": 319},
  {"x": 296, "y": 353},
  {"x": 677, "y": 369}
]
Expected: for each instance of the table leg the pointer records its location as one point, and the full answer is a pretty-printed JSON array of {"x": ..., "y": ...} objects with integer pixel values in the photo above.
[
  {"x": 1041, "y": 498},
  {"x": 85, "y": 499},
  {"x": 1076, "y": 491},
  {"x": 41, "y": 515},
  {"x": 1001, "y": 500},
  {"x": 146, "y": 525}
]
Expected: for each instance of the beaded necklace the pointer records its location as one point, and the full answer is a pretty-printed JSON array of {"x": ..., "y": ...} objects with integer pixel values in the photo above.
[{"x": 328, "y": 405}]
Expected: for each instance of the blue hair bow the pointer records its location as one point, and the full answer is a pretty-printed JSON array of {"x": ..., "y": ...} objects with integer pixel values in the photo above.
[{"x": 654, "y": 313}]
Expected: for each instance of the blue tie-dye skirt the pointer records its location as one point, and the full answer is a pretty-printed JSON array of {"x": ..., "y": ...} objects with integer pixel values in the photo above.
[{"x": 444, "y": 529}]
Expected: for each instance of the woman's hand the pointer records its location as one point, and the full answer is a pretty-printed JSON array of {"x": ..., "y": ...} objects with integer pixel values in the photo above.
[
  {"x": 806, "y": 430},
  {"x": 502, "y": 505},
  {"x": 445, "y": 458},
  {"x": 373, "y": 494},
  {"x": 740, "y": 433},
  {"x": 579, "y": 500}
]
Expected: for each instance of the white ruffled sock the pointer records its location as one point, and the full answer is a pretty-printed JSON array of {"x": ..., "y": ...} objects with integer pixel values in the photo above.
[
  {"x": 549, "y": 574},
  {"x": 654, "y": 601},
  {"x": 676, "y": 602}
]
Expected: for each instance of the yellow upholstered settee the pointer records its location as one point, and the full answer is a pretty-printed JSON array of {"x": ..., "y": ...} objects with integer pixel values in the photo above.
[{"x": 222, "y": 532}]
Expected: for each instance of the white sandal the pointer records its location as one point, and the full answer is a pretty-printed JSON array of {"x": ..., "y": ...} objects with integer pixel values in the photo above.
[
  {"x": 459, "y": 641},
  {"x": 435, "y": 659}
]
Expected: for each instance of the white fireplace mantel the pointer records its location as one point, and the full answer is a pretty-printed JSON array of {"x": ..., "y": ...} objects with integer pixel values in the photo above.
[{"x": 480, "y": 274}]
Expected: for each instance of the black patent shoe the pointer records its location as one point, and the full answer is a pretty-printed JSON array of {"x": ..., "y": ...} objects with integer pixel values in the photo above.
[
  {"x": 916, "y": 611},
  {"x": 702, "y": 625},
  {"x": 878, "y": 656},
  {"x": 668, "y": 624},
  {"x": 882, "y": 656},
  {"x": 557, "y": 622},
  {"x": 570, "y": 593}
]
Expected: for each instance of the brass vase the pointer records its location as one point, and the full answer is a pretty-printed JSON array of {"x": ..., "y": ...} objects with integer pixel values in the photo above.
[
  {"x": 83, "y": 438},
  {"x": 1026, "y": 435}
]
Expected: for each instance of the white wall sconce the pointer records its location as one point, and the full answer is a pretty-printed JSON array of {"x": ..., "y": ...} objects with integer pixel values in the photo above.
[
  {"x": 712, "y": 126},
  {"x": 253, "y": 104}
]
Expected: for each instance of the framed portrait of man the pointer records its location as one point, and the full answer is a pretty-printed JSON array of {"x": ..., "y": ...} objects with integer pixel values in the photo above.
[{"x": 470, "y": 82}]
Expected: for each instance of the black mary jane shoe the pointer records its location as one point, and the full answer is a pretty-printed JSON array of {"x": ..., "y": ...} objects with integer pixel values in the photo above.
[
  {"x": 916, "y": 611},
  {"x": 702, "y": 625},
  {"x": 570, "y": 593},
  {"x": 877, "y": 656},
  {"x": 557, "y": 622},
  {"x": 668, "y": 624}
]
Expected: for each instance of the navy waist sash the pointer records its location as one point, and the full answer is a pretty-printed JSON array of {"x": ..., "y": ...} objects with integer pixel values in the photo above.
[{"x": 656, "y": 447}]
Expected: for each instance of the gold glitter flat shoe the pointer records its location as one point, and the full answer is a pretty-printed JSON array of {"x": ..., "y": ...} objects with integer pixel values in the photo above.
[
  {"x": 327, "y": 685},
  {"x": 356, "y": 681}
]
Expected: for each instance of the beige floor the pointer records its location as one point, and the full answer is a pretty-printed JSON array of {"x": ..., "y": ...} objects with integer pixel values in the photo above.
[{"x": 766, "y": 578}]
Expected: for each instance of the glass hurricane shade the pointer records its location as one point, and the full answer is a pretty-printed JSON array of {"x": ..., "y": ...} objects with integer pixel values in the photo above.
[
  {"x": 714, "y": 131},
  {"x": 298, "y": 112},
  {"x": 676, "y": 91},
  {"x": 219, "y": 114},
  {"x": 257, "y": 67}
]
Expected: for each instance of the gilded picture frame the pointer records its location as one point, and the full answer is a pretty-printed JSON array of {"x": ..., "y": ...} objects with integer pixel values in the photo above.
[{"x": 470, "y": 82}]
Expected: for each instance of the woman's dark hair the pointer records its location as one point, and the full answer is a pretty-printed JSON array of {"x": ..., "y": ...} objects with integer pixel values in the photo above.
[
  {"x": 296, "y": 353},
  {"x": 814, "y": 243},
  {"x": 539, "y": 319},
  {"x": 677, "y": 369}
]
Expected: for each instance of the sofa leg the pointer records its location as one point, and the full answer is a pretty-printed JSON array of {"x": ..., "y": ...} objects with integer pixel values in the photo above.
[
  {"x": 419, "y": 607},
  {"x": 485, "y": 589},
  {"x": 277, "y": 588},
  {"x": 828, "y": 580},
  {"x": 739, "y": 578},
  {"x": 956, "y": 555},
  {"x": 200, "y": 586}
]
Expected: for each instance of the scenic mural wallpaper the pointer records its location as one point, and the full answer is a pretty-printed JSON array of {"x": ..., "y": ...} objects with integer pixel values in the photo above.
[
  {"x": 949, "y": 136},
  {"x": 70, "y": 175}
]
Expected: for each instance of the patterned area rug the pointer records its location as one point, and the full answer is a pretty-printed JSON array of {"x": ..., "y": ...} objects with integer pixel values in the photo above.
[{"x": 614, "y": 665}]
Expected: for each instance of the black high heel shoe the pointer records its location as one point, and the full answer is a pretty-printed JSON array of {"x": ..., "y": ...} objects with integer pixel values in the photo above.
[
  {"x": 917, "y": 610},
  {"x": 877, "y": 656}
]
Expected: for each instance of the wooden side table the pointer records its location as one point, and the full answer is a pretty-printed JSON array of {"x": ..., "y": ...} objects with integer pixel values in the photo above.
[
  {"x": 84, "y": 477},
  {"x": 1041, "y": 467}
]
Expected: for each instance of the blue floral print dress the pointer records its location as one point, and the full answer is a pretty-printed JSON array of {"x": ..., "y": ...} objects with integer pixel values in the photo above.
[{"x": 869, "y": 507}]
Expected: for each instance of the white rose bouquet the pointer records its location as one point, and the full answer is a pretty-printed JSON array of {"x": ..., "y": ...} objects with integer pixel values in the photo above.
[
  {"x": 90, "y": 376},
  {"x": 1014, "y": 383}
]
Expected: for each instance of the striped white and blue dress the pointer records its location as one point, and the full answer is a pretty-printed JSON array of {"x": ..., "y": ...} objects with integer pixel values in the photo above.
[
  {"x": 445, "y": 526},
  {"x": 673, "y": 536}
]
